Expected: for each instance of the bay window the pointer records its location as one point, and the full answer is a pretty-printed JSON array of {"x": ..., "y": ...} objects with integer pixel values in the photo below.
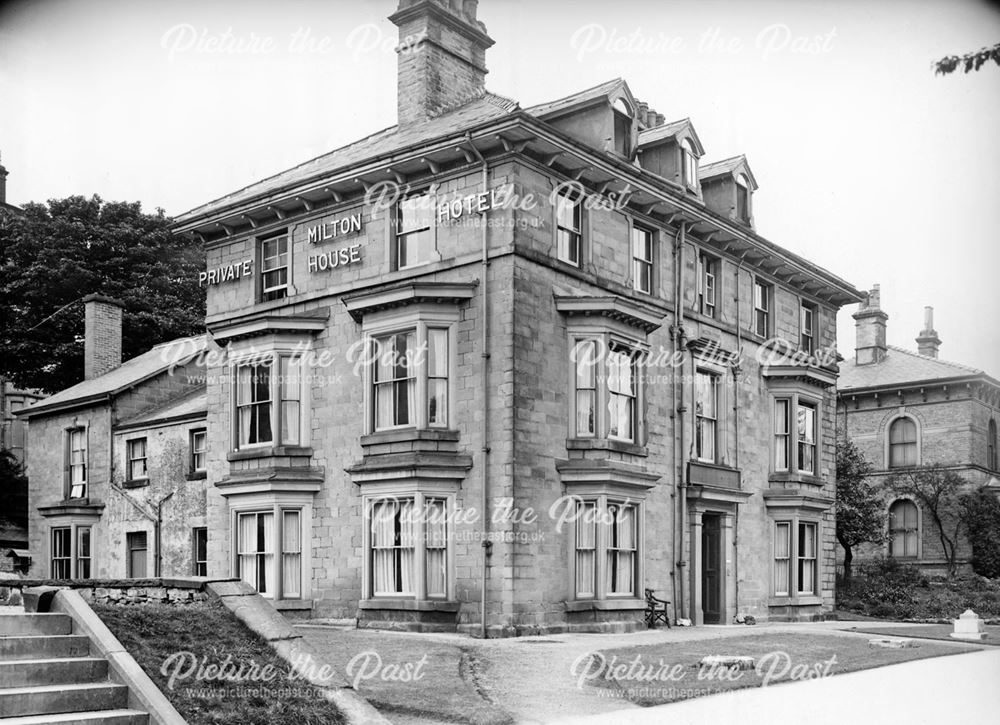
[
  {"x": 407, "y": 546},
  {"x": 268, "y": 402},
  {"x": 410, "y": 378},
  {"x": 266, "y": 556},
  {"x": 606, "y": 548},
  {"x": 606, "y": 398},
  {"x": 795, "y": 562},
  {"x": 795, "y": 450}
]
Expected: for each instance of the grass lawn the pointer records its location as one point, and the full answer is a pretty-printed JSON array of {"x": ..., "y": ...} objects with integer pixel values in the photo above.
[
  {"x": 449, "y": 685},
  {"x": 931, "y": 631},
  {"x": 670, "y": 672},
  {"x": 152, "y": 633}
]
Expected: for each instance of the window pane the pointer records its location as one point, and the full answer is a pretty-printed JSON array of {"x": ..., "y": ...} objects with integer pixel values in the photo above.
[
  {"x": 782, "y": 559},
  {"x": 414, "y": 214},
  {"x": 586, "y": 542}
]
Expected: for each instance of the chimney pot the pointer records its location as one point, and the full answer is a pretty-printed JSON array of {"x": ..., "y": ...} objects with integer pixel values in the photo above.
[{"x": 102, "y": 349}]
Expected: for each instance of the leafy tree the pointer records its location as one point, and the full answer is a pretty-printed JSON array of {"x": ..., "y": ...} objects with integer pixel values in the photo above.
[
  {"x": 13, "y": 489},
  {"x": 968, "y": 62},
  {"x": 54, "y": 254},
  {"x": 981, "y": 517},
  {"x": 859, "y": 508},
  {"x": 938, "y": 493}
]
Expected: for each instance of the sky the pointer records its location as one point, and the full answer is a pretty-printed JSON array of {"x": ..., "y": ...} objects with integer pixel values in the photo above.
[{"x": 868, "y": 163}]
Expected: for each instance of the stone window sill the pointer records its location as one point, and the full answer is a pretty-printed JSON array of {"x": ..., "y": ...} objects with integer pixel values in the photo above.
[
  {"x": 787, "y": 477},
  {"x": 588, "y": 605},
  {"x": 413, "y": 605},
  {"x": 136, "y": 483},
  {"x": 605, "y": 444},
  {"x": 197, "y": 475},
  {"x": 268, "y": 452},
  {"x": 405, "y": 435},
  {"x": 801, "y": 600},
  {"x": 293, "y": 604}
]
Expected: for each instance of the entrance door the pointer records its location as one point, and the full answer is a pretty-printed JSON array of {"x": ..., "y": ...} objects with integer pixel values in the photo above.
[{"x": 711, "y": 574}]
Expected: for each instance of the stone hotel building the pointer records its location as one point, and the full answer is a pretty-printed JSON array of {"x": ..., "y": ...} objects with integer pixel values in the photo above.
[{"x": 499, "y": 370}]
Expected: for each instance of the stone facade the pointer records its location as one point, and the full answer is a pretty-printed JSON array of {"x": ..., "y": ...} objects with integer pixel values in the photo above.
[
  {"x": 162, "y": 406},
  {"x": 302, "y": 473}
]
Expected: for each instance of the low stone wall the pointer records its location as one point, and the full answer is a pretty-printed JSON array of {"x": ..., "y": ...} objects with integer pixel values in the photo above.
[{"x": 116, "y": 591}]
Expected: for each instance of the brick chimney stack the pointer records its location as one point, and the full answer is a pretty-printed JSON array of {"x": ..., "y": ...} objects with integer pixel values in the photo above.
[
  {"x": 102, "y": 346},
  {"x": 441, "y": 56},
  {"x": 928, "y": 341},
  {"x": 870, "y": 328}
]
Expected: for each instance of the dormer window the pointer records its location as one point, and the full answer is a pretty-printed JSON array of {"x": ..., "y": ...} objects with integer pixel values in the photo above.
[
  {"x": 689, "y": 165},
  {"x": 742, "y": 198},
  {"x": 623, "y": 128}
]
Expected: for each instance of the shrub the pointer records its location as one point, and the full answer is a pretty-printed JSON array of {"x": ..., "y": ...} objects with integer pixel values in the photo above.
[{"x": 980, "y": 513}]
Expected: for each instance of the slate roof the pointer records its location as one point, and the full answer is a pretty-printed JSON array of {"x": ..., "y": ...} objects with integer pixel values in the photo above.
[
  {"x": 726, "y": 166},
  {"x": 484, "y": 108},
  {"x": 142, "y": 367},
  {"x": 192, "y": 404},
  {"x": 900, "y": 367},
  {"x": 576, "y": 99}
]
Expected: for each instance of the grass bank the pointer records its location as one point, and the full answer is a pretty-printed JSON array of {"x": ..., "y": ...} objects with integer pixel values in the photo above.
[{"x": 223, "y": 673}]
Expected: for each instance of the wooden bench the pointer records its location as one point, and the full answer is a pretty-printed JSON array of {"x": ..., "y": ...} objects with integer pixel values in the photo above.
[{"x": 656, "y": 610}]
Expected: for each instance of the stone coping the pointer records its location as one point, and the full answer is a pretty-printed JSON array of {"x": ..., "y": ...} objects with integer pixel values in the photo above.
[{"x": 168, "y": 582}]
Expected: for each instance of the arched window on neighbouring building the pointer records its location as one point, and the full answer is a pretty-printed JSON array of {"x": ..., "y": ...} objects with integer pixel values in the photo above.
[
  {"x": 903, "y": 529},
  {"x": 902, "y": 443},
  {"x": 991, "y": 445}
]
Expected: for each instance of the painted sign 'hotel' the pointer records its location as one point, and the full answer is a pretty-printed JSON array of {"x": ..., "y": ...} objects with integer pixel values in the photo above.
[{"x": 504, "y": 369}]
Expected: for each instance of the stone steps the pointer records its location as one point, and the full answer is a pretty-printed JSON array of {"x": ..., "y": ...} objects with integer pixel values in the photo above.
[
  {"x": 99, "y": 717},
  {"x": 28, "y": 673},
  {"x": 48, "y": 675}
]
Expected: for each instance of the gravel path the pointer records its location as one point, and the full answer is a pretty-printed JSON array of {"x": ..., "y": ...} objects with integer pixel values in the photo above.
[{"x": 520, "y": 680}]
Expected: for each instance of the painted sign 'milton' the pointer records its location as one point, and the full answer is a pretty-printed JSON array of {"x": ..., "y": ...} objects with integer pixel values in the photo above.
[{"x": 342, "y": 227}]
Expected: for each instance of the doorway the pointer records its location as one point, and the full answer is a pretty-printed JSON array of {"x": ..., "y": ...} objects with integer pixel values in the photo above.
[{"x": 711, "y": 568}]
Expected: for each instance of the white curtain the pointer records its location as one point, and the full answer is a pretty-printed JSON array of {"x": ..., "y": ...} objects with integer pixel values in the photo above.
[
  {"x": 291, "y": 554},
  {"x": 291, "y": 395},
  {"x": 266, "y": 583},
  {"x": 626, "y": 553},
  {"x": 407, "y": 545},
  {"x": 383, "y": 515},
  {"x": 586, "y": 541},
  {"x": 246, "y": 546},
  {"x": 437, "y": 544},
  {"x": 782, "y": 549}
]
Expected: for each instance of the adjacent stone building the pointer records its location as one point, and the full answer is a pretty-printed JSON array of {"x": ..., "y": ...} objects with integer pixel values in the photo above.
[
  {"x": 501, "y": 369},
  {"x": 116, "y": 466},
  {"x": 906, "y": 409}
]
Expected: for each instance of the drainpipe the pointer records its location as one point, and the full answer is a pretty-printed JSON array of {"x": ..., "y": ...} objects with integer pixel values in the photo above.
[
  {"x": 485, "y": 354},
  {"x": 681, "y": 408},
  {"x": 737, "y": 367}
]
